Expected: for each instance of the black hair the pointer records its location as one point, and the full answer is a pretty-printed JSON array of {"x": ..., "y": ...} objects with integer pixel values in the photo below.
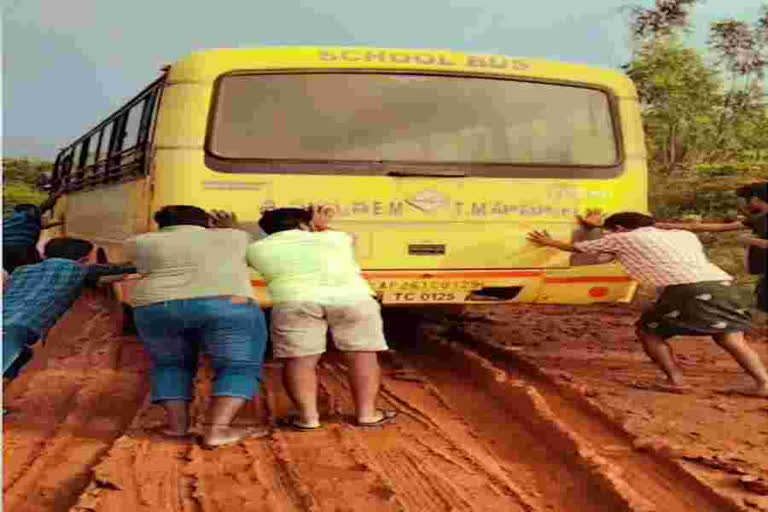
[
  {"x": 181, "y": 214},
  {"x": 14, "y": 257},
  {"x": 67, "y": 248},
  {"x": 628, "y": 220},
  {"x": 284, "y": 219},
  {"x": 758, "y": 190}
]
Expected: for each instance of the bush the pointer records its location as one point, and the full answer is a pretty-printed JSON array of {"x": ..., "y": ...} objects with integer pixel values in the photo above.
[
  {"x": 18, "y": 193},
  {"x": 732, "y": 169}
]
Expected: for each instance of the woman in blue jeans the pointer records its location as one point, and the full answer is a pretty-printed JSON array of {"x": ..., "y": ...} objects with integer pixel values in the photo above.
[{"x": 196, "y": 289}]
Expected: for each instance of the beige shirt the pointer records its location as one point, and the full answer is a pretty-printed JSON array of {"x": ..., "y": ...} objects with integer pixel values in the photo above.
[
  {"x": 189, "y": 262},
  {"x": 308, "y": 266}
]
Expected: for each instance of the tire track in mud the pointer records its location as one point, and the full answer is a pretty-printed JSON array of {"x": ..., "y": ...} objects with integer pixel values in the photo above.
[
  {"x": 70, "y": 406},
  {"x": 251, "y": 476},
  {"x": 433, "y": 461},
  {"x": 655, "y": 478}
]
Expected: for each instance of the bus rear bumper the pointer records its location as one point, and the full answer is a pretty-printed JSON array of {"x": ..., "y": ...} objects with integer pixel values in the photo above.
[{"x": 573, "y": 285}]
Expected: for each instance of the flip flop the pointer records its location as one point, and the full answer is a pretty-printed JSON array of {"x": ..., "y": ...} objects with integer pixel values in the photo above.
[
  {"x": 292, "y": 422},
  {"x": 662, "y": 388},
  {"x": 161, "y": 431},
  {"x": 386, "y": 417},
  {"x": 249, "y": 433}
]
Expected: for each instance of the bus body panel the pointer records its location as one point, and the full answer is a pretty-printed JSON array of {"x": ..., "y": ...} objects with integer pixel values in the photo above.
[
  {"x": 419, "y": 240},
  {"x": 206, "y": 66},
  {"x": 110, "y": 216}
]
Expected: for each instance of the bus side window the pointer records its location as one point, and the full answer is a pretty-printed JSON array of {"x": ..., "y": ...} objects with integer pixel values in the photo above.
[
  {"x": 146, "y": 127},
  {"x": 74, "y": 166},
  {"x": 148, "y": 117},
  {"x": 125, "y": 141},
  {"x": 104, "y": 150},
  {"x": 89, "y": 168},
  {"x": 132, "y": 125},
  {"x": 66, "y": 170},
  {"x": 116, "y": 146},
  {"x": 80, "y": 162}
]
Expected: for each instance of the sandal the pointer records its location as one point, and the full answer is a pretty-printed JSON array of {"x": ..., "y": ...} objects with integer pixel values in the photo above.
[
  {"x": 162, "y": 431},
  {"x": 247, "y": 433},
  {"x": 292, "y": 422},
  {"x": 386, "y": 417}
]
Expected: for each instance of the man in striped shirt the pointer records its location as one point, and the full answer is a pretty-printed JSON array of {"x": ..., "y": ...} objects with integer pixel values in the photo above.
[
  {"x": 697, "y": 297},
  {"x": 21, "y": 232}
]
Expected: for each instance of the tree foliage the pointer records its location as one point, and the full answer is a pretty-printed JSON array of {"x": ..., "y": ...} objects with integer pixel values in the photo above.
[
  {"x": 678, "y": 92},
  {"x": 695, "y": 110},
  {"x": 667, "y": 17},
  {"x": 20, "y": 177}
]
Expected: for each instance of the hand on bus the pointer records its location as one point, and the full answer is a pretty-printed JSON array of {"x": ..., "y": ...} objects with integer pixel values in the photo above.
[
  {"x": 541, "y": 238},
  {"x": 222, "y": 219},
  {"x": 593, "y": 218},
  {"x": 321, "y": 216},
  {"x": 544, "y": 239}
]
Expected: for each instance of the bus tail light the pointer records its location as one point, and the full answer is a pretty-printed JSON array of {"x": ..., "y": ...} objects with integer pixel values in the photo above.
[{"x": 598, "y": 292}]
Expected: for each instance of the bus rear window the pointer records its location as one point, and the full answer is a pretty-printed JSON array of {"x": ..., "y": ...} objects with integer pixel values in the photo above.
[{"x": 419, "y": 119}]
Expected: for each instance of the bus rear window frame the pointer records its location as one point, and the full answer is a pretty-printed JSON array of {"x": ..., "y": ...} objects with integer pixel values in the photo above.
[{"x": 370, "y": 168}]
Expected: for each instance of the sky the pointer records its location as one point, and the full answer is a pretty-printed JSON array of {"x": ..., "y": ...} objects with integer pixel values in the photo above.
[{"x": 68, "y": 64}]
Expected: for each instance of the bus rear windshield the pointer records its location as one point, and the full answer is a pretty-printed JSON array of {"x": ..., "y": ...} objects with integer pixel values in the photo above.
[{"x": 420, "y": 119}]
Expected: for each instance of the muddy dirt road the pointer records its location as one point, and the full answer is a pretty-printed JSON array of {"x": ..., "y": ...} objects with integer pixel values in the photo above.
[{"x": 492, "y": 417}]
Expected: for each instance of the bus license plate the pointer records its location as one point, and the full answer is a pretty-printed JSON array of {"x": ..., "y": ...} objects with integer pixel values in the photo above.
[{"x": 423, "y": 297}]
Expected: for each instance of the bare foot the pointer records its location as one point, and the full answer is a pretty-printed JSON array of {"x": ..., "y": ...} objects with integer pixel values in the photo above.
[
  {"x": 676, "y": 380},
  {"x": 220, "y": 436}
]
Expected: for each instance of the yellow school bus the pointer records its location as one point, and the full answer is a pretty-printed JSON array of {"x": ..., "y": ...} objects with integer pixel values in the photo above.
[{"x": 439, "y": 162}]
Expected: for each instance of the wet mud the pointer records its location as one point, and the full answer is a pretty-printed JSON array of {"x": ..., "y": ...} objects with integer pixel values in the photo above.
[{"x": 509, "y": 408}]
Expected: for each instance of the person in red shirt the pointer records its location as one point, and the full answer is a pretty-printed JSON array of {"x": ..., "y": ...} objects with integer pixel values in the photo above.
[{"x": 696, "y": 297}]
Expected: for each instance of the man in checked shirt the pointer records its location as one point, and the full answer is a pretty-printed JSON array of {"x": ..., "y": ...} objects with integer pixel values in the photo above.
[
  {"x": 697, "y": 297},
  {"x": 37, "y": 295}
]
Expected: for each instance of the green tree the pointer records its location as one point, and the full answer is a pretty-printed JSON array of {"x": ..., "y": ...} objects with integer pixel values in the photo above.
[
  {"x": 20, "y": 177},
  {"x": 666, "y": 18},
  {"x": 678, "y": 93},
  {"x": 24, "y": 170},
  {"x": 19, "y": 193},
  {"x": 741, "y": 52},
  {"x": 694, "y": 110}
]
